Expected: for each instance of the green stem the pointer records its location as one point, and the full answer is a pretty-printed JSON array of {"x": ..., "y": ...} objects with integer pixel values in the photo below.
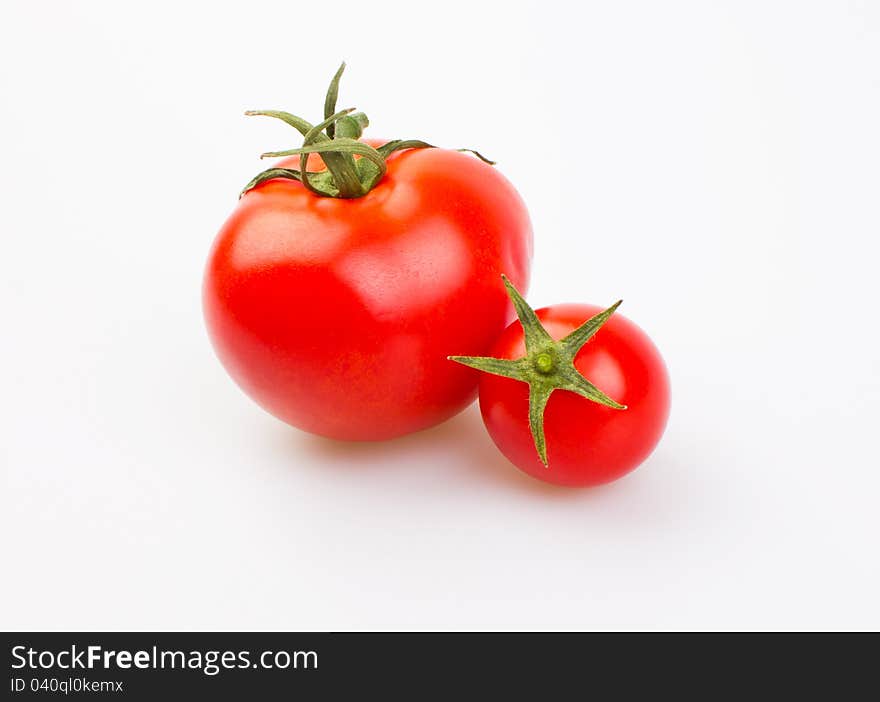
[
  {"x": 333, "y": 139},
  {"x": 344, "y": 173},
  {"x": 341, "y": 165},
  {"x": 547, "y": 366}
]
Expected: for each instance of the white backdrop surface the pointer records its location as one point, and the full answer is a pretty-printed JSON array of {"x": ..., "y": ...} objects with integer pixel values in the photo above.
[{"x": 713, "y": 164}]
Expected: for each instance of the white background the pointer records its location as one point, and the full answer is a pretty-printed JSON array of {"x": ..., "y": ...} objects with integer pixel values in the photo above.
[{"x": 717, "y": 165}]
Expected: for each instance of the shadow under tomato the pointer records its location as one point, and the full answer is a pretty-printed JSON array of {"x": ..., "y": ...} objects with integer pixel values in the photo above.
[{"x": 460, "y": 445}]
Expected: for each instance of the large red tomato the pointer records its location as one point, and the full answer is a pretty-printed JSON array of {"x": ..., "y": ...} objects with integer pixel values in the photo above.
[{"x": 337, "y": 314}]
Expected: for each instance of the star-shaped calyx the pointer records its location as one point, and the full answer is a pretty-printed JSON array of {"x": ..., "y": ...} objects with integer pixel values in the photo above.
[{"x": 548, "y": 364}]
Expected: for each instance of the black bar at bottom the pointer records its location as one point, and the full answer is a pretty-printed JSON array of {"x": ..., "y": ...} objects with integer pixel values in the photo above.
[{"x": 256, "y": 666}]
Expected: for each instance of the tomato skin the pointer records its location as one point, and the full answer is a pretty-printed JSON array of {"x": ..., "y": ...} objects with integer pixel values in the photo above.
[
  {"x": 337, "y": 315},
  {"x": 587, "y": 443}
]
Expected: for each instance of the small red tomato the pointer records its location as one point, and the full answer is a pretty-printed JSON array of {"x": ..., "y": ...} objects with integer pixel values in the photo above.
[
  {"x": 572, "y": 394},
  {"x": 344, "y": 278}
]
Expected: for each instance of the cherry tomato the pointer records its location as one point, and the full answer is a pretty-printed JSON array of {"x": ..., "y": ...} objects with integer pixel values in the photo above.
[
  {"x": 337, "y": 315},
  {"x": 587, "y": 443}
]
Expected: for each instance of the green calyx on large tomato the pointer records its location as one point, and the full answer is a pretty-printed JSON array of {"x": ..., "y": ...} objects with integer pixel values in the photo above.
[
  {"x": 547, "y": 366},
  {"x": 336, "y": 140},
  {"x": 334, "y": 299}
]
